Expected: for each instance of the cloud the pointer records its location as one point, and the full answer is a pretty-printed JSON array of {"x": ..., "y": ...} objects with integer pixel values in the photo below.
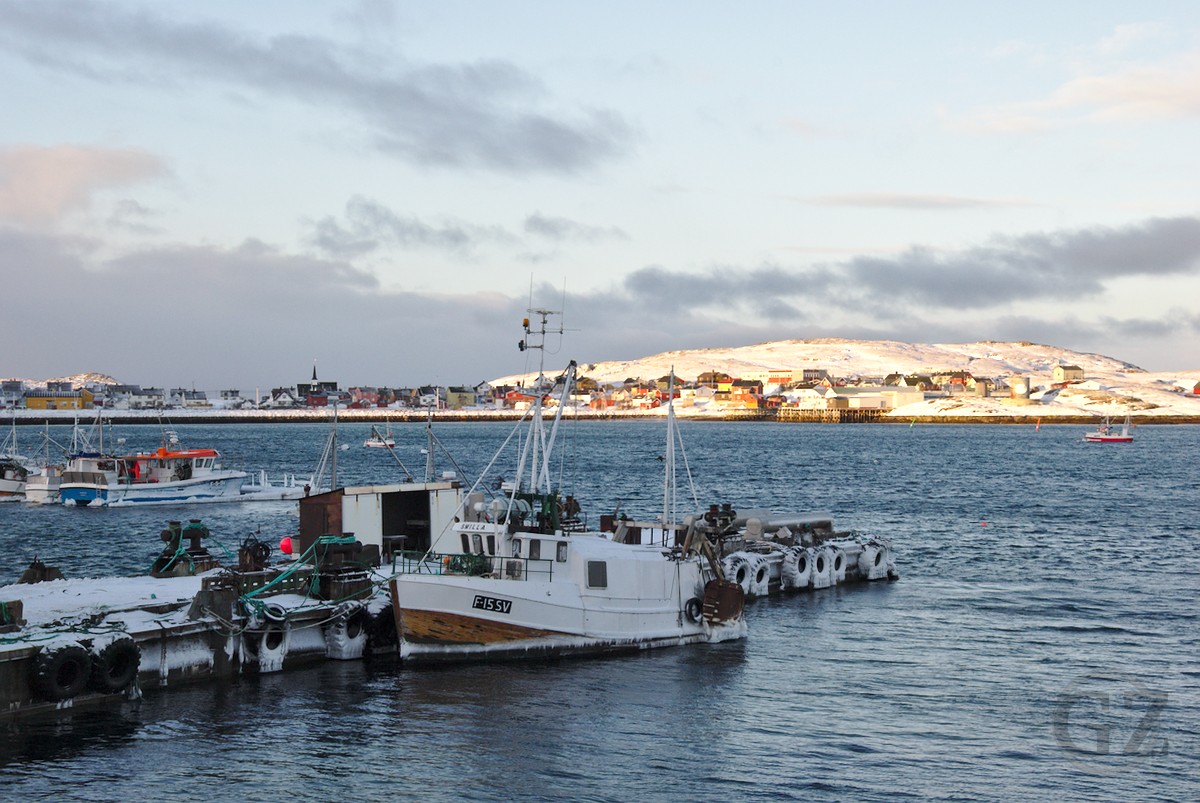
[
  {"x": 40, "y": 185},
  {"x": 132, "y": 216},
  {"x": 256, "y": 315},
  {"x": 252, "y": 315},
  {"x": 1062, "y": 266},
  {"x": 896, "y": 200},
  {"x": 1128, "y": 37},
  {"x": 1151, "y": 92},
  {"x": 1129, "y": 93},
  {"x": 561, "y": 228},
  {"x": 476, "y": 115},
  {"x": 370, "y": 226}
]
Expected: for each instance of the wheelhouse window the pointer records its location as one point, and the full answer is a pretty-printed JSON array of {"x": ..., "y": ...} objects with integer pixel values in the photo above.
[
  {"x": 491, "y": 544},
  {"x": 561, "y": 554},
  {"x": 597, "y": 574},
  {"x": 477, "y": 543},
  {"x": 516, "y": 551},
  {"x": 466, "y": 542},
  {"x": 535, "y": 549}
]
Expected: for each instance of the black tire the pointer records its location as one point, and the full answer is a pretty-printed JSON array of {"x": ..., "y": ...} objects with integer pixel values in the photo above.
[
  {"x": 693, "y": 609},
  {"x": 382, "y": 635},
  {"x": 115, "y": 667},
  {"x": 60, "y": 673}
]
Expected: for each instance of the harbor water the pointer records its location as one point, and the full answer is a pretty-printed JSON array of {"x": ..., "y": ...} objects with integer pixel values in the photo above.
[{"x": 1041, "y": 643}]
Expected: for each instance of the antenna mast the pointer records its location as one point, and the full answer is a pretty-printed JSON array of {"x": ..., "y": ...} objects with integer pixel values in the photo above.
[{"x": 535, "y": 444}]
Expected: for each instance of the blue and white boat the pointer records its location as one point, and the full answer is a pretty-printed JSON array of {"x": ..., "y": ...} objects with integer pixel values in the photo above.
[{"x": 169, "y": 474}]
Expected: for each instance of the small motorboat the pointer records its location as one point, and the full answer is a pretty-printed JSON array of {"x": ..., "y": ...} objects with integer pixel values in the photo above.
[
  {"x": 380, "y": 439},
  {"x": 1106, "y": 432}
]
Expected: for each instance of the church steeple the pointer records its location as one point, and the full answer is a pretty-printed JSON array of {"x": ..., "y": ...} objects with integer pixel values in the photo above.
[{"x": 314, "y": 370}]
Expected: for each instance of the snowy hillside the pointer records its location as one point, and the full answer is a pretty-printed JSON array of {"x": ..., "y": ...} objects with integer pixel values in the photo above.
[
  {"x": 77, "y": 380},
  {"x": 1112, "y": 387}
]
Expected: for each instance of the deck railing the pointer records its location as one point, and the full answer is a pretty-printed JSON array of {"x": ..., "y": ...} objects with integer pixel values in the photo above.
[{"x": 471, "y": 565}]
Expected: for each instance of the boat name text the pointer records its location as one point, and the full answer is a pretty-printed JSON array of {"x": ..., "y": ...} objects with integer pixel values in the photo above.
[{"x": 492, "y": 604}]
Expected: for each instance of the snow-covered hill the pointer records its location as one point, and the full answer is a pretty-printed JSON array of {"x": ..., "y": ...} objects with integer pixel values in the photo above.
[
  {"x": 76, "y": 380},
  {"x": 1113, "y": 386}
]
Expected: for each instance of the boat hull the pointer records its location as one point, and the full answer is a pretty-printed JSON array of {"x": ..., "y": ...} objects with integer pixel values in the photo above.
[
  {"x": 1108, "y": 438},
  {"x": 11, "y": 487},
  {"x": 156, "y": 493},
  {"x": 443, "y": 619}
]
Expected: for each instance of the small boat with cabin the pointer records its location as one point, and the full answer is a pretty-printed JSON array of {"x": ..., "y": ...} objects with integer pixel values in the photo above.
[
  {"x": 169, "y": 474},
  {"x": 1107, "y": 432},
  {"x": 380, "y": 438}
]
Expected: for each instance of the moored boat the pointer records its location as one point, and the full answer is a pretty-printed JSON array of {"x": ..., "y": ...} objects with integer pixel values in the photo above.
[
  {"x": 41, "y": 487},
  {"x": 14, "y": 468},
  {"x": 168, "y": 474},
  {"x": 523, "y": 576},
  {"x": 13, "y": 475}
]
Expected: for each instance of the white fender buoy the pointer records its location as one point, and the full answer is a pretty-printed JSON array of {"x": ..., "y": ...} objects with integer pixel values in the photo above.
[
  {"x": 760, "y": 575},
  {"x": 738, "y": 569},
  {"x": 873, "y": 561},
  {"x": 837, "y": 564},
  {"x": 822, "y": 567},
  {"x": 267, "y": 645},
  {"x": 346, "y": 636},
  {"x": 796, "y": 571}
]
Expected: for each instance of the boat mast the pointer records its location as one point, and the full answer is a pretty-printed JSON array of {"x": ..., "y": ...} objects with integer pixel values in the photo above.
[
  {"x": 334, "y": 444},
  {"x": 535, "y": 445},
  {"x": 669, "y": 459}
]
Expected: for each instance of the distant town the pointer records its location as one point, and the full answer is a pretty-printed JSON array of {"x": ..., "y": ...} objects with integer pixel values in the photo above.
[{"x": 812, "y": 389}]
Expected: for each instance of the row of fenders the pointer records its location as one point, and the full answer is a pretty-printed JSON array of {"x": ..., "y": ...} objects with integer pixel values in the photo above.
[{"x": 774, "y": 567}]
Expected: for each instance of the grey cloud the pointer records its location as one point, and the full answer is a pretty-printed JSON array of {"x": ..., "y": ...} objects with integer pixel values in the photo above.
[
  {"x": 890, "y": 200},
  {"x": 1063, "y": 266},
  {"x": 369, "y": 226},
  {"x": 723, "y": 288},
  {"x": 561, "y": 228},
  {"x": 267, "y": 313},
  {"x": 472, "y": 115},
  {"x": 1158, "y": 246},
  {"x": 132, "y": 216}
]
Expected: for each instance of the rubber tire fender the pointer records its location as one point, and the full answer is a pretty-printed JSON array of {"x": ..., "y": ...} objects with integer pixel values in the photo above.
[
  {"x": 62, "y": 672},
  {"x": 115, "y": 667}
]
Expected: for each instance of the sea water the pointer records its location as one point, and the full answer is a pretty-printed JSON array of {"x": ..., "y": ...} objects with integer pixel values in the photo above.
[{"x": 1041, "y": 644}]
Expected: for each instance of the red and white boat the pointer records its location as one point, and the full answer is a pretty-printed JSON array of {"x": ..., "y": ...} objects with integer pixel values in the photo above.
[
  {"x": 1108, "y": 433},
  {"x": 380, "y": 439}
]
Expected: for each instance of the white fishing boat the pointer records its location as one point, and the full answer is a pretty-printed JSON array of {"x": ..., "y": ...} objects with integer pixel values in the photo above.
[
  {"x": 380, "y": 438},
  {"x": 523, "y": 576},
  {"x": 1107, "y": 432},
  {"x": 41, "y": 487},
  {"x": 166, "y": 475},
  {"x": 13, "y": 474},
  {"x": 14, "y": 468}
]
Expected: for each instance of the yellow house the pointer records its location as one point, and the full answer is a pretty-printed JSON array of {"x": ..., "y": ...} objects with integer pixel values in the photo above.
[
  {"x": 59, "y": 399},
  {"x": 458, "y": 398}
]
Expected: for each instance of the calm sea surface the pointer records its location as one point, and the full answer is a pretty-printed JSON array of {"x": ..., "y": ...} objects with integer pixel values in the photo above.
[{"x": 1042, "y": 643}]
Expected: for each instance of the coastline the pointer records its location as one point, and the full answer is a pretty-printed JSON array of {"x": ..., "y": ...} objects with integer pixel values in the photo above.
[{"x": 785, "y": 416}]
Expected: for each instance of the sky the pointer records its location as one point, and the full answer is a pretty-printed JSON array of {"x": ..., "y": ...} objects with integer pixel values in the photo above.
[{"x": 220, "y": 194}]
